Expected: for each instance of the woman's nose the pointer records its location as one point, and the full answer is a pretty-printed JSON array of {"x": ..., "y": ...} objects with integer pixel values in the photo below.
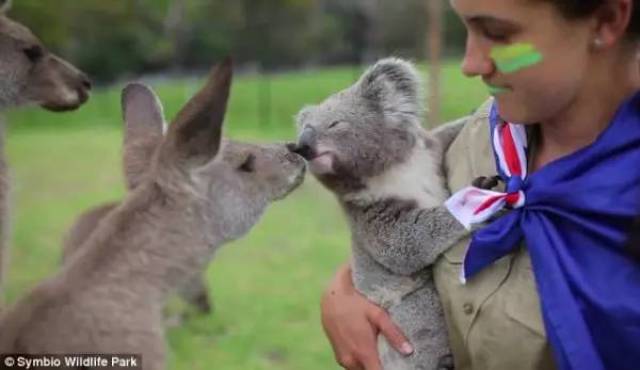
[{"x": 477, "y": 61}]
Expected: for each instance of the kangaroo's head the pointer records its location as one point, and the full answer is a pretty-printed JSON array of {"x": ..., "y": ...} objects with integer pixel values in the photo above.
[
  {"x": 230, "y": 182},
  {"x": 30, "y": 74}
]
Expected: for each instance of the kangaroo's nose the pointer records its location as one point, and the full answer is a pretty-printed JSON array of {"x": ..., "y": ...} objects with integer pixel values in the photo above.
[
  {"x": 306, "y": 151},
  {"x": 292, "y": 147},
  {"x": 303, "y": 149},
  {"x": 85, "y": 82}
]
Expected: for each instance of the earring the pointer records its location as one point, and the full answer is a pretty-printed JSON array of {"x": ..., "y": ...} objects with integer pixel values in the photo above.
[{"x": 597, "y": 42}]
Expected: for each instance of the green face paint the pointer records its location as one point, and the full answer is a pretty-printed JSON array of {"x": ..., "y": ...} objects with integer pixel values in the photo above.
[
  {"x": 515, "y": 57},
  {"x": 495, "y": 90}
]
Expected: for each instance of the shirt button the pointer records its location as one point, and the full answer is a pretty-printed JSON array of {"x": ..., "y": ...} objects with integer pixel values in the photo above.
[{"x": 467, "y": 308}]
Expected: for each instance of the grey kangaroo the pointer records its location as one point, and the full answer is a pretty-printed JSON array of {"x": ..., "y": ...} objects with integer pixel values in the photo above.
[
  {"x": 139, "y": 146},
  {"x": 30, "y": 74},
  {"x": 200, "y": 192},
  {"x": 367, "y": 146}
]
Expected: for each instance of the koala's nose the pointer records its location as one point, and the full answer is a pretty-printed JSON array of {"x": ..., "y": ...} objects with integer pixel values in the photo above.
[{"x": 306, "y": 144}]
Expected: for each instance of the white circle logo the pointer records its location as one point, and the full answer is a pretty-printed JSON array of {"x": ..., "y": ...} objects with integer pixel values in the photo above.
[{"x": 9, "y": 361}]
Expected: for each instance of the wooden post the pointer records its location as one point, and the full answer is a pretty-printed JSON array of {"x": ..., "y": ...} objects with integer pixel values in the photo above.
[
  {"x": 435, "y": 16},
  {"x": 175, "y": 28}
]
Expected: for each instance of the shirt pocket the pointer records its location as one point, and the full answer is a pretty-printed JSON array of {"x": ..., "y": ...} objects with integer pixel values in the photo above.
[{"x": 522, "y": 303}]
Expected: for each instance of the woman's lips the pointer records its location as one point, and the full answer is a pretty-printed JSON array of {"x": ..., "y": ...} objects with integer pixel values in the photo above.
[{"x": 496, "y": 89}]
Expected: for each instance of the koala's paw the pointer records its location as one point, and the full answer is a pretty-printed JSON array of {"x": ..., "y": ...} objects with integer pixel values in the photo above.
[{"x": 486, "y": 183}]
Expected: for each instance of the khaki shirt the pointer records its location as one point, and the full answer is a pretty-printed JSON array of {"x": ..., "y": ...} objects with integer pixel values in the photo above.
[{"x": 494, "y": 320}]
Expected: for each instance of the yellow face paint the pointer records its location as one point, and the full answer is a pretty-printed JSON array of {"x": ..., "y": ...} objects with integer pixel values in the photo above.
[{"x": 512, "y": 58}]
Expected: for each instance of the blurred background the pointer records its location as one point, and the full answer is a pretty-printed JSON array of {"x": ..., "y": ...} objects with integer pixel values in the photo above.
[{"x": 288, "y": 53}]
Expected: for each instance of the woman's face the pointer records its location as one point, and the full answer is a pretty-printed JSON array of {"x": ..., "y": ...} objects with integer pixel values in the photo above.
[{"x": 536, "y": 58}]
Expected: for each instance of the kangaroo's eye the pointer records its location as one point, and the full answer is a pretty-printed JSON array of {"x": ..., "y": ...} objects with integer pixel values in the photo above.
[
  {"x": 34, "y": 53},
  {"x": 334, "y": 124},
  {"x": 249, "y": 164}
]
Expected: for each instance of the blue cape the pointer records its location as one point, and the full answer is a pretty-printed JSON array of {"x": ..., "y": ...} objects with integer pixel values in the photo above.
[{"x": 575, "y": 223}]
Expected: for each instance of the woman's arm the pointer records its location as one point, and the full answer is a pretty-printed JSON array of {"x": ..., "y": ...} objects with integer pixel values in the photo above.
[{"x": 352, "y": 324}]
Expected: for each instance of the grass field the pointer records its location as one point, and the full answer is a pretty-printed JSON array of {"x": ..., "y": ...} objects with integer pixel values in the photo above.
[{"x": 267, "y": 286}]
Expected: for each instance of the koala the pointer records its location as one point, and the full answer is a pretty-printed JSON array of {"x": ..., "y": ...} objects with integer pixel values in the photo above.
[{"x": 366, "y": 145}]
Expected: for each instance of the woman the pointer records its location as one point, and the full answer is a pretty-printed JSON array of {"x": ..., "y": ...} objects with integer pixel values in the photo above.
[{"x": 578, "y": 66}]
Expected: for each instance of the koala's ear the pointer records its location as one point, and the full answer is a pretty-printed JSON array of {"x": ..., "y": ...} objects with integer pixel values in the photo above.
[
  {"x": 303, "y": 116},
  {"x": 5, "y": 6},
  {"x": 143, "y": 131},
  {"x": 393, "y": 86}
]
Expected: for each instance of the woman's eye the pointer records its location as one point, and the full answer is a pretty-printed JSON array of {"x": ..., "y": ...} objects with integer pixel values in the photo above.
[
  {"x": 249, "y": 164},
  {"x": 496, "y": 36}
]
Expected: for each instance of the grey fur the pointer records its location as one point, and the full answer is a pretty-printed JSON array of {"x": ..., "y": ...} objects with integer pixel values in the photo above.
[
  {"x": 143, "y": 133},
  {"x": 48, "y": 81},
  {"x": 194, "y": 291},
  {"x": 386, "y": 172},
  {"x": 109, "y": 296}
]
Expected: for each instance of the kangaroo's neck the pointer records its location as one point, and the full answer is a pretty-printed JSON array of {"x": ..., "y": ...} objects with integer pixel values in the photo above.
[{"x": 148, "y": 246}]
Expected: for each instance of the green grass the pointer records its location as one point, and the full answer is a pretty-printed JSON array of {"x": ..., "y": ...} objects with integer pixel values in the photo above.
[{"x": 267, "y": 286}]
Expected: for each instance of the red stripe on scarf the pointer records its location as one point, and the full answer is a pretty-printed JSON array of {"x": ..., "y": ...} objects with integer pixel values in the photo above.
[
  {"x": 487, "y": 203},
  {"x": 510, "y": 152}
]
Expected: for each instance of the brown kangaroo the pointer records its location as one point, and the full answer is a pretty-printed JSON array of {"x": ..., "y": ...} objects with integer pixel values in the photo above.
[
  {"x": 29, "y": 74},
  {"x": 199, "y": 192}
]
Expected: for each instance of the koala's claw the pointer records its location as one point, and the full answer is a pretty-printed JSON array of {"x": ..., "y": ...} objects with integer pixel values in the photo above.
[
  {"x": 486, "y": 183},
  {"x": 446, "y": 363}
]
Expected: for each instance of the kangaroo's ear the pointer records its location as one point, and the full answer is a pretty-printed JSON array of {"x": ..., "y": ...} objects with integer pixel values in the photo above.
[
  {"x": 195, "y": 136},
  {"x": 144, "y": 127},
  {"x": 5, "y": 6}
]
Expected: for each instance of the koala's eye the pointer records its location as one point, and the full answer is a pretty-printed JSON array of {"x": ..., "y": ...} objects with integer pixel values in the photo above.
[
  {"x": 34, "y": 53},
  {"x": 334, "y": 124},
  {"x": 249, "y": 164}
]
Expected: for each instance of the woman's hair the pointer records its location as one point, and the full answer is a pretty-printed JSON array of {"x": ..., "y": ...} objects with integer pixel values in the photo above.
[{"x": 573, "y": 9}]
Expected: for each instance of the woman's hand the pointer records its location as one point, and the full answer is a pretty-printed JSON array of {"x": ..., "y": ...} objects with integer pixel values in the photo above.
[{"x": 352, "y": 324}]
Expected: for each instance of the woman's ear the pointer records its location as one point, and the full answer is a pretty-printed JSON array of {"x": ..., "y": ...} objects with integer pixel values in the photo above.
[{"x": 612, "y": 20}]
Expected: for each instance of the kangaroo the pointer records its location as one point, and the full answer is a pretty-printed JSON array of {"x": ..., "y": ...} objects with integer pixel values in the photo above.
[
  {"x": 139, "y": 145},
  {"x": 29, "y": 74},
  {"x": 199, "y": 192}
]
